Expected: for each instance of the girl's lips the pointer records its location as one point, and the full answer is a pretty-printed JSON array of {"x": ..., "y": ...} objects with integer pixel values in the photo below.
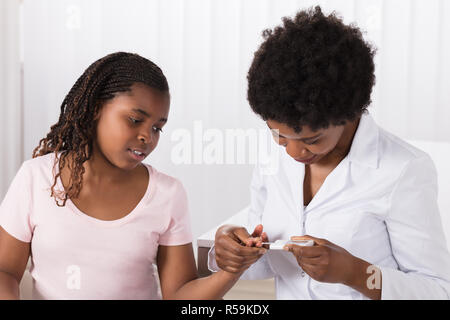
[
  {"x": 135, "y": 156},
  {"x": 307, "y": 161}
]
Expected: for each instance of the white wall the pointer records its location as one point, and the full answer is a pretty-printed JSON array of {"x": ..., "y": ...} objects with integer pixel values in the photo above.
[
  {"x": 10, "y": 93},
  {"x": 205, "y": 48}
]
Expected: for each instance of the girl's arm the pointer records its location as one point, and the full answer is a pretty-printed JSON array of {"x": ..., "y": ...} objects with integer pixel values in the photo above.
[
  {"x": 179, "y": 279},
  {"x": 13, "y": 261}
]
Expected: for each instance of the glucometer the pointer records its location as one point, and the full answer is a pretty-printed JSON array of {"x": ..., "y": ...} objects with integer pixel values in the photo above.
[{"x": 279, "y": 244}]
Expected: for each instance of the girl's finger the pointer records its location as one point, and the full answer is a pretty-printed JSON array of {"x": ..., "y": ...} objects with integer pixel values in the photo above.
[{"x": 230, "y": 245}]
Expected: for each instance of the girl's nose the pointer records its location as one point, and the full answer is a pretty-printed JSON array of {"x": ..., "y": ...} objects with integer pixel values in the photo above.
[{"x": 145, "y": 138}]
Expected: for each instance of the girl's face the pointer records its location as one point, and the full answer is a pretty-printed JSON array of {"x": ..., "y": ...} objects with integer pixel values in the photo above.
[
  {"x": 307, "y": 146},
  {"x": 129, "y": 125}
]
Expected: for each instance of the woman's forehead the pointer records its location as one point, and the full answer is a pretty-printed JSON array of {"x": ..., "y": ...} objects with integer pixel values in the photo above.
[{"x": 288, "y": 132}]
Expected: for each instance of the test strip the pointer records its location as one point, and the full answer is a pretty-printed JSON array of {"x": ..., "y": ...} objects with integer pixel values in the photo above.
[{"x": 279, "y": 244}]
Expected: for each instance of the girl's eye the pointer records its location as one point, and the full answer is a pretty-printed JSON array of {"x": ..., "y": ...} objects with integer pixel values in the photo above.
[{"x": 133, "y": 120}]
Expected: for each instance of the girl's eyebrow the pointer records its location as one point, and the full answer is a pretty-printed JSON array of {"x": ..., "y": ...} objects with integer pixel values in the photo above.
[
  {"x": 141, "y": 112},
  {"x": 144, "y": 113}
]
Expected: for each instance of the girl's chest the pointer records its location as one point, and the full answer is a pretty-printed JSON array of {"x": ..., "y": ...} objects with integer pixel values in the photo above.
[
  {"x": 107, "y": 206},
  {"x": 109, "y": 202}
]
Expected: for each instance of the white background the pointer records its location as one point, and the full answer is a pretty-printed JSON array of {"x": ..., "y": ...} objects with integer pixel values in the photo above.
[{"x": 205, "y": 48}]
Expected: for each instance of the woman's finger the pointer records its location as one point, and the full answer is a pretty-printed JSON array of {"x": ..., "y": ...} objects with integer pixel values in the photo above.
[
  {"x": 316, "y": 261},
  {"x": 317, "y": 241},
  {"x": 301, "y": 251}
]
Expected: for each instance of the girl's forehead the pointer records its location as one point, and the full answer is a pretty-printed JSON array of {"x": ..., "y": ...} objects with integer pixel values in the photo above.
[{"x": 147, "y": 99}]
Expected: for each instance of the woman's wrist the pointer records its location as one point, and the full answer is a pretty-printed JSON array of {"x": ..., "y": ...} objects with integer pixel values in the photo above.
[
  {"x": 358, "y": 278},
  {"x": 357, "y": 274}
]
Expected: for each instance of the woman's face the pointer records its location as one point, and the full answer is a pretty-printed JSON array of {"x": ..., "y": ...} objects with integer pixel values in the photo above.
[
  {"x": 129, "y": 125},
  {"x": 308, "y": 146}
]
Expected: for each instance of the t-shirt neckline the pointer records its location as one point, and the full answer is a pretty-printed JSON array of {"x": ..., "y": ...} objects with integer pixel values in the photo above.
[{"x": 116, "y": 222}]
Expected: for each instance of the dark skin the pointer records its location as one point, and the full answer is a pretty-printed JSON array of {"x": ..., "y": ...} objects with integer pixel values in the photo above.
[
  {"x": 113, "y": 185},
  {"x": 325, "y": 261}
]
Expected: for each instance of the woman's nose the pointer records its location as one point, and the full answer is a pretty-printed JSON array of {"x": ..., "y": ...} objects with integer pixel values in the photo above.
[{"x": 297, "y": 151}]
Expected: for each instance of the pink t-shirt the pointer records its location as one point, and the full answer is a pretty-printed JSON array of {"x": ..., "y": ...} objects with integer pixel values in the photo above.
[{"x": 75, "y": 256}]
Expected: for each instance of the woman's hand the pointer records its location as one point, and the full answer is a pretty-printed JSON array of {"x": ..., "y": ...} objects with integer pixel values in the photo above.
[
  {"x": 236, "y": 249},
  {"x": 325, "y": 261}
]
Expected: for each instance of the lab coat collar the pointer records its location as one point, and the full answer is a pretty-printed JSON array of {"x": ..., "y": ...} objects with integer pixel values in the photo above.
[{"x": 364, "y": 149}]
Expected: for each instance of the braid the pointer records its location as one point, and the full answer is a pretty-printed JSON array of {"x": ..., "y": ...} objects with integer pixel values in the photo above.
[{"x": 74, "y": 132}]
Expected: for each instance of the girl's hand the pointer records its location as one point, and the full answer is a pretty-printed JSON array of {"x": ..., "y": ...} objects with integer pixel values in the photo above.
[
  {"x": 325, "y": 261},
  {"x": 236, "y": 249}
]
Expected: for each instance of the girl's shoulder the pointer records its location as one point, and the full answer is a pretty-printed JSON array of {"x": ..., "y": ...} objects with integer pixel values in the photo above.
[
  {"x": 40, "y": 162},
  {"x": 39, "y": 165},
  {"x": 164, "y": 182},
  {"x": 38, "y": 172}
]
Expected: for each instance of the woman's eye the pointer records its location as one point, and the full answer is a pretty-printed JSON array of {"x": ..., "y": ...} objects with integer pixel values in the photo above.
[
  {"x": 156, "y": 129},
  {"x": 313, "y": 142}
]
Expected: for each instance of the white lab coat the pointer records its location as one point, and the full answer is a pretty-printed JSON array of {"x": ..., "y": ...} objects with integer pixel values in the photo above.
[{"x": 379, "y": 203}]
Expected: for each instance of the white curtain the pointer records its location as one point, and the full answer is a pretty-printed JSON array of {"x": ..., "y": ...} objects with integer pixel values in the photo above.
[
  {"x": 11, "y": 146},
  {"x": 205, "y": 48}
]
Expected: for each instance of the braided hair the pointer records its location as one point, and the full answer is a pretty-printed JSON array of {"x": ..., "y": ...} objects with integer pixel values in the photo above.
[{"x": 73, "y": 135}]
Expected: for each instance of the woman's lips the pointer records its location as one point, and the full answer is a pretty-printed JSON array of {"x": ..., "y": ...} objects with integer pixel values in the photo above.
[{"x": 307, "y": 161}]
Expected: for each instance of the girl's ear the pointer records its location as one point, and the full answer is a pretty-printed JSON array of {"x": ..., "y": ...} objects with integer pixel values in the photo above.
[{"x": 97, "y": 112}]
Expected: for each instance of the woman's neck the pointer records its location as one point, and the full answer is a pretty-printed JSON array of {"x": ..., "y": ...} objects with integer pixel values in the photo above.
[{"x": 343, "y": 146}]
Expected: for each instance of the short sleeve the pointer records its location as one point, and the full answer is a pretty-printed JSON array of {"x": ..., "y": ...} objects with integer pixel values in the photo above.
[
  {"x": 179, "y": 229},
  {"x": 15, "y": 210}
]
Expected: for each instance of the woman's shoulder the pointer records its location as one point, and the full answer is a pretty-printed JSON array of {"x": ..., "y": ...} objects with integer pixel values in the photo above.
[{"x": 398, "y": 152}]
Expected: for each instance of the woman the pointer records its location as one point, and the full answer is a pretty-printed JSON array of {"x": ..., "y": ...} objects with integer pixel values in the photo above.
[{"x": 366, "y": 198}]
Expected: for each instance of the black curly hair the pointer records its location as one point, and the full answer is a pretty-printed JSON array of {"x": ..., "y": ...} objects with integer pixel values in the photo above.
[
  {"x": 313, "y": 70},
  {"x": 74, "y": 133}
]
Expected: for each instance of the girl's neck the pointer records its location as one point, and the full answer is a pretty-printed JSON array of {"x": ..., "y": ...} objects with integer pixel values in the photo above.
[{"x": 100, "y": 171}]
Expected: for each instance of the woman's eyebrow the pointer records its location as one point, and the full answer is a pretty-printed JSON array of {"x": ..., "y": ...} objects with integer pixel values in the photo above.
[
  {"x": 302, "y": 139},
  {"x": 311, "y": 138}
]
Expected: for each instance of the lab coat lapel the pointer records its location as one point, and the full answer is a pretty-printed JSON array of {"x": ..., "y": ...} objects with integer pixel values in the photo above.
[
  {"x": 363, "y": 152},
  {"x": 334, "y": 183},
  {"x": 295, "y": 173}
]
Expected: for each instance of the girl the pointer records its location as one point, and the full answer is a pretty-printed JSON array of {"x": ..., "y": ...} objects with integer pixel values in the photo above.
[{"x": 93, "y": 218}]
